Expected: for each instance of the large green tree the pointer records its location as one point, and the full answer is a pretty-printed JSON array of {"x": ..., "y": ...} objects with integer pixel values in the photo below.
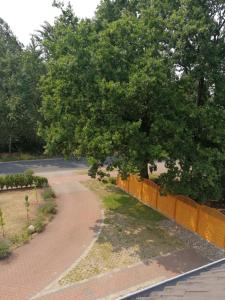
[
  {"x": 142, "y": 82},
  {"x": 20, "y": 71},
  {"x": 10, "y": 51}
]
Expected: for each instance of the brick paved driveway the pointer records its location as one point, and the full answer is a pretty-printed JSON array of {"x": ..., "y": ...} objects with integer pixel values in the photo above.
[{"x": 36, "y": 265}]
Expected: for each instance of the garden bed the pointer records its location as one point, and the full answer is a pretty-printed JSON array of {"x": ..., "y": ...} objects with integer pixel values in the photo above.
[{"x": 21, "y": 221}]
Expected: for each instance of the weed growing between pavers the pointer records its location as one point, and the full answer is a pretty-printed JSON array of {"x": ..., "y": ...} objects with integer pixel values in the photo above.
[{"x": 130, "y": 235}]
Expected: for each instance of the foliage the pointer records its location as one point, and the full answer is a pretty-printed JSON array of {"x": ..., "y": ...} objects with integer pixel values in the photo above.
[
  {"x": 40, "y": 181},
  {"x": 39, "y": 224},
  {"x": 141, "y": 82},
  {"x": 112, "y": 180},
  {"x": 5, "y": 157},
  {"x": 27, "y": 206},
  {"x": 29, "y": 172},
  {"x": 48, "y": 193},
  {"x": 48, "y": 208},
  {"x": 4, "y": 248},
  {"x": 20, "y": 239},
  {"x": 20, "y": 71},
  {"x": 2, "y": 222},
  {"x": 21, "y": 180}
]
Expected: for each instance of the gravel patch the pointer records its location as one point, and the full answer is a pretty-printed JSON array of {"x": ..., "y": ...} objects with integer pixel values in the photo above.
[
  {"x": 123, "y": 241},
  {"x": 192, "y": 240}
]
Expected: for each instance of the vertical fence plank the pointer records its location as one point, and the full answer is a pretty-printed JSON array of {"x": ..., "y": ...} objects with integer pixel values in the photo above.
[
  {"x": 149, "y": 193},
  {"x": 187, "y": 212}
]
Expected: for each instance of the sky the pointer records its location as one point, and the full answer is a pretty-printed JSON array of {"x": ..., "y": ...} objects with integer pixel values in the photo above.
[{"x": 26, "y": 16}]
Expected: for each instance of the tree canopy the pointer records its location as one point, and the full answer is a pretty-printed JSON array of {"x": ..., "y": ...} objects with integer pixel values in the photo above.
[
  {"x": 141, "y": 82},
  {"x": 20, "y": 71}
]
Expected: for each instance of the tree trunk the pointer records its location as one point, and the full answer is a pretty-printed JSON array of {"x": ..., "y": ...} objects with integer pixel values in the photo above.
[{"x": 144, "y": 170}]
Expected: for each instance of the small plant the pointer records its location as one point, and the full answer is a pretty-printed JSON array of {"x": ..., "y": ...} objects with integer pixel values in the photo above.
[
  {"x": 29, "y": 172},
  {"x": 40, "y": 181},
  {"x": 2, "y": 182},
  {"x": 154, "y": 178},
  {"x": 20, "y": 239},
  {"x": 48, "y": 193},
  {"x": 112, "y": 180},
  {"x": 27, "y": 206},
  {"x": 39, "y": 224},
  {"x": 4, "y": 248},
  {"x": 48, "y": 208},
  {"x": 36, "y": 195},
  {"x": 2, "y": 222}
]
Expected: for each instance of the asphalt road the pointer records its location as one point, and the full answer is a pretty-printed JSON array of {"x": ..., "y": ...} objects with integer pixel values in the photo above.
[{"x": 42, "y": 165}]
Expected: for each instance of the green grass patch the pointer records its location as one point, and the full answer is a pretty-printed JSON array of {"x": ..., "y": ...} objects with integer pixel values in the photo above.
[
  {"x": 5, "y": 157},
  {"x": 125, "y": 204}
]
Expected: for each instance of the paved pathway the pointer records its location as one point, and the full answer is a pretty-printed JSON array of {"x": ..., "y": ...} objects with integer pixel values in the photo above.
[
  {"x": 118, "y": 283},
  {"x": 38, "y": 263}
]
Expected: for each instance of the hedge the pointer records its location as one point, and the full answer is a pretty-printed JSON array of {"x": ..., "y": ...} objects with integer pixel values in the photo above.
[{"x": 22, "y": 180}]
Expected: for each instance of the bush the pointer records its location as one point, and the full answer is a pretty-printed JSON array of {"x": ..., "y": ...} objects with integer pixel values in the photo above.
[
  {"x": 112, "y": 180},
  {"x": 2, "y": 182},
  {"x": 9, "y": 181},
  {"x": 20, "y": 239},
  {"x": 48, "y": 193},
  {"x": 4, "y": 249},
  {"x": 29, "y": 172},
  {"x": 48, "y": 208},
  {"x": 39, "y": 224},
  {"x": 39, "y": 181},
  {"x": 22, "y": 180}
]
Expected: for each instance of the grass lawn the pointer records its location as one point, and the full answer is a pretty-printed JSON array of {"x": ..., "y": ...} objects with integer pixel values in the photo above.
[
  {"x": 14, "y": 212},
  {"x": 5, "y": 157},
  {"x": 130, "y": 235}
]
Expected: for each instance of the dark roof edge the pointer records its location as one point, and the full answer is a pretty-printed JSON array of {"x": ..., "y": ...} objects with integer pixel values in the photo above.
[{"x": 161, "y": 285}]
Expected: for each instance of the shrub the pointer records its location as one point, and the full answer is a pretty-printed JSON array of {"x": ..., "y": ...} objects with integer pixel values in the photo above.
[
  {"x": 22, "y": 180},
  {"x": 27, "y": 206},
  {"x": 112, "y": 180},
  {"x": 39, "y": 224},
  {"x": 29, "y": 172},
  {"x": 48, "y": 208},
  {"x": 2, "y": 223},
  {"x": 48, "y": 193},
  {"x": 17, "y": 180},
  {"x": 4, "y": 248},
  {"x": 9, "y": 181},
  {"x": 2, "y": 182},
  {"x": 28, "y": 180},
  {"x": 20, "y": 239},
  {"x": 40, "y": 181}
]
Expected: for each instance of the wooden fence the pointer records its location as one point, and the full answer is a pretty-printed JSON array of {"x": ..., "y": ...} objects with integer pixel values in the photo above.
[{"x": 207, "y": 222}]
